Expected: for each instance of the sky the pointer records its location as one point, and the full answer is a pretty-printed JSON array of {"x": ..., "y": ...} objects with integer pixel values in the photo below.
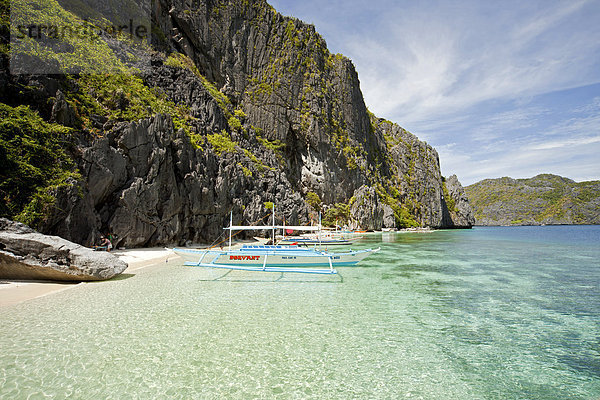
[{"x": 499, "y": 88}]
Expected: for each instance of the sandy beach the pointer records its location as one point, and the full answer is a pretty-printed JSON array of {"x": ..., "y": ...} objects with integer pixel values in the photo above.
[{"x": 13, "y": 292}]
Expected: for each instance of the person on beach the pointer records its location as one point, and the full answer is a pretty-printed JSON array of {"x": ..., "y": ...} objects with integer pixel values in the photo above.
[{"x": 105, "y": 243}]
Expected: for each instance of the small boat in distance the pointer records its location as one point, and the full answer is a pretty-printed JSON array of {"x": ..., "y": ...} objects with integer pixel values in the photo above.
[
  {"x": 273, "y": 258},
  {"x": 315, "y": 241},
  {"x": 324, "y": 237}
]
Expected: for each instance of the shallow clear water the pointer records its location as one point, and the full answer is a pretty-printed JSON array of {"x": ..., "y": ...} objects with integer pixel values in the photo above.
[{"x": 489, "y": 313}]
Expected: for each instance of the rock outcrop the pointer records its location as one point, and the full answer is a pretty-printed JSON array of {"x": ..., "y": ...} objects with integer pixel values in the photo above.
[
  {"x": 543, "y": 199},
  {"x": 367, "y": 209},
  {"x": 461, "y": 213},
  {"x": 147, "y": 184},
  {"x": 27, "y": 254}
]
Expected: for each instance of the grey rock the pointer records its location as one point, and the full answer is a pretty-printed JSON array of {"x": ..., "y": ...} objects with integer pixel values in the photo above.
[
  {"x": 369, "y": 212},
  {"x": 105, "y": 169},
  {"x": 389, "y": 221},
  {"x": 62, "y": 112},
  {"x": 27, "y": 254},
  {"x": 462, "y": 214}
]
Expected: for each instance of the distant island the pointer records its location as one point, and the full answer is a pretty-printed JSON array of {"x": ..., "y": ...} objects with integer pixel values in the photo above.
[{"x": 543, "y": 199}]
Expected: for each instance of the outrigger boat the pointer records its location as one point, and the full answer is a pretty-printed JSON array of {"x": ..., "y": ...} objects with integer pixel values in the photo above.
[
  {"x": 315, "y": 241},
  {"x": 273, "y": 258},
  {"x": 326, "y": 238}
]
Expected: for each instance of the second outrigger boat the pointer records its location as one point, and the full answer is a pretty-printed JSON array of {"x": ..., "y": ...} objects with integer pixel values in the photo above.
[
  {"x": 273, "y": 258},
  {"x": 314, "y": 241}
]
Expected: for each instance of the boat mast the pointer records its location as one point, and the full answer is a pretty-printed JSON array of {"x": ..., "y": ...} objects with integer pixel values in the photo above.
[
  {"x": 230, "y": 225},
  {"x": 319, "y": 230},
  {"x": 273, "y": 224}
]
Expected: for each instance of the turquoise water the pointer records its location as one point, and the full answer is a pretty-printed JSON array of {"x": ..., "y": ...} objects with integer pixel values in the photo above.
[{"x": 489, "y": 313}]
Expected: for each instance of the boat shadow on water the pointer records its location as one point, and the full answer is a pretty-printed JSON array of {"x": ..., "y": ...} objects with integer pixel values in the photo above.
[{"x": 230, "y": 276}]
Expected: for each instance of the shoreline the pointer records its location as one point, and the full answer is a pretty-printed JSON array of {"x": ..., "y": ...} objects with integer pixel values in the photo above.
[{"x": 13, "y": 292}]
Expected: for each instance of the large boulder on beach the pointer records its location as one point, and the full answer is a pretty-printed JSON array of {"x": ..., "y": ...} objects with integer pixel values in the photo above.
[{"x": 30, "y": 255}]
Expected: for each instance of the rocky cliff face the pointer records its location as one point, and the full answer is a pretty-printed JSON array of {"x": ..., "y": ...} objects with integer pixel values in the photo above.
[
  {"x": 457, "y": 204},
  {"x": 235, "y": 106},
  {"x": 279, "y": 72},
  {"x": 543, "y": 199}
]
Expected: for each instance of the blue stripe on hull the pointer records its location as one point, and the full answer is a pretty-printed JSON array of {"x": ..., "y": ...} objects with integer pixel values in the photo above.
[{"x": 335, "y": 264}]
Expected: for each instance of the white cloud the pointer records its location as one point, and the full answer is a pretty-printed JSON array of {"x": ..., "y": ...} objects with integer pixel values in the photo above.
[
  {"x": 562, "y": 144},
  {"x": 444, "y": 59},
  {"x": 546, "y": 20},
  {"x": 574, "y": 158},
  {"x": 522, "y": 163},
  {"x": 431, "y": 58}
]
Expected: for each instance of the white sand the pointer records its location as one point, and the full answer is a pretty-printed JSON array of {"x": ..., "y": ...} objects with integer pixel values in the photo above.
[
  {"x": 13, "y": 292},
  {"x": 140, "y": 258}
]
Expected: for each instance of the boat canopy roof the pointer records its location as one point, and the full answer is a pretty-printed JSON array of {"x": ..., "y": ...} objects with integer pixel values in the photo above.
[{"x": 266, "y": 227}]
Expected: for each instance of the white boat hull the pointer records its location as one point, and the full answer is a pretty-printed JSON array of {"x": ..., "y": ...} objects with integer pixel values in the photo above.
[
  {"x": 273, "y": 259},
  {"x": 312, "y": 242}
]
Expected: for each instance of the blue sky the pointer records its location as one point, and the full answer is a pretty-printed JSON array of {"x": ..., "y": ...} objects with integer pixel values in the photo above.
[{"x": 499, "y": 88}]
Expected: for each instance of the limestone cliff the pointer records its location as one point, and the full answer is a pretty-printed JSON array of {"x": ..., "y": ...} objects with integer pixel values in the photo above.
[
  {"x": 235, "y": 105},
  {"x": 543, "y": 199}
]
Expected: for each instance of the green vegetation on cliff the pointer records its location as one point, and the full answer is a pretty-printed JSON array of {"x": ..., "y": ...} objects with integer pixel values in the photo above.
[
  {"x": 87, "y": 53},
  {"x": 337, "y": 214},
  {"x": 34, "y": 161},
  {"x": 543, "y": 199},
  {"x": 449, "y": 200},
  {"x": 122, "y": 97},
  {"x": 179, "y": 60},
  {"x": 314, "y": 201}
]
